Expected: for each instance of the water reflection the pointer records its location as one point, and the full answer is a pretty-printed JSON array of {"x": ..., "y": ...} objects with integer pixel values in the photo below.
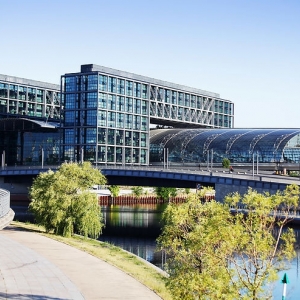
[
  {"x": 143, "y": 220},
  {"x": 135, "y": 229}
]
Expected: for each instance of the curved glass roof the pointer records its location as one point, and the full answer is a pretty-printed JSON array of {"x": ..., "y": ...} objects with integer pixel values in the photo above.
[
  {"x": 24, "y": 124},
  {"x": 238, "y": 145}
]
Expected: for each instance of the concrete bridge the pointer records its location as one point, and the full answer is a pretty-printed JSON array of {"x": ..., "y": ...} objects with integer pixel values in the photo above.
[{"x": 18, "y": 179}]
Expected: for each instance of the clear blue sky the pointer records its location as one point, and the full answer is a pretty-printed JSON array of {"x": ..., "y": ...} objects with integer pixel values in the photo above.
[{"x": 245, "y": 50}]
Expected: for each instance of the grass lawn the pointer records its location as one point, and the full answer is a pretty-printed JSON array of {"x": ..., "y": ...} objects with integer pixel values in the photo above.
[{"x": 125, "y": 261}]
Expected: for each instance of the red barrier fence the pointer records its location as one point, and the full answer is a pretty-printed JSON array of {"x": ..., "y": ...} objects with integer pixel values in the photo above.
[{"x": 132, "y": 200}]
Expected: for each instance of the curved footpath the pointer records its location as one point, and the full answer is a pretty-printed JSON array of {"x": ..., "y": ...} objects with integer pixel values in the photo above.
[{"x": 33, "y": 266}]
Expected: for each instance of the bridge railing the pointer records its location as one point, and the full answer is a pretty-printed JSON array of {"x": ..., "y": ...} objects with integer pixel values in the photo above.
[{"x": 218, "y": 172}]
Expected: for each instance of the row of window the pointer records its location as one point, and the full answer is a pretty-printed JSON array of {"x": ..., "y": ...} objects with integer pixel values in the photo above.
[
  {"x": 107, "y": 154},
  {"x": 105, "y": 119},
  {"x": 106, "y": 101},
  {"x": 139, "y": 90},
  {"x": 27, "y": 108},
  {"x": 106, "y": 136},
  {"x": 222, "y": 120},
  {"x": 27, "y": 149},
  {"x": 28, "y": 94}
]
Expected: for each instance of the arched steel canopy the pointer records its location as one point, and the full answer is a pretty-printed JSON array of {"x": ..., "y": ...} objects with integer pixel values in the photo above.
[
  {"x": 239, "y": 145},
  {"x": 23, "y": 124}
]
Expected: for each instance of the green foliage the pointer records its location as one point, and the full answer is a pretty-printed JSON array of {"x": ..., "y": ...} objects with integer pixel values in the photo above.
[
  {"x": 114, "y": 190},
  {"x": 225, "y": 163},
  {"x": 60, "y": 201},
  {"x": 165, "y": 192},
  {"x": 137, "y": 191},
  {"x": 187, "y": 190},
  {"x": 243, "y": 251}
]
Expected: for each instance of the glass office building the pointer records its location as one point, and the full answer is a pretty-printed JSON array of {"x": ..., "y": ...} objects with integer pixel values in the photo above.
[
  {"x": 238, "y": 145},
  {"x": 29, "y": 98},
  {"x": 29, "y": 121},
  {"x": 106, "y": 113}
]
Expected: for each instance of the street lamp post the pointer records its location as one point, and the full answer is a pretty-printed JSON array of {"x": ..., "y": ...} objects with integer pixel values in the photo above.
[{"x": 42, "y": 158}]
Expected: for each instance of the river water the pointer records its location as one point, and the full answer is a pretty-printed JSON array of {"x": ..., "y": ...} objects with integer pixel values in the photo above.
[{"x": 135, "y": 229}]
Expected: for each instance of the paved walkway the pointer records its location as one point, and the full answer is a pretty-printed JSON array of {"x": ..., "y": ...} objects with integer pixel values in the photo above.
[{"x": 36, "y": 267}]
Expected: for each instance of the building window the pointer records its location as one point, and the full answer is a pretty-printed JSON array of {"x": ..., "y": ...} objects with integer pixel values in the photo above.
[
  {"x": 128, "y": 138},
  {"x": 91, "y": 100},
  {"x": 70, "y": 101},
  {"x": 136, "y": 122},
  {"x": 39, "y": 96},
  {"x": 120, "y": 103},
  {"x": 92, "y": 82},
  {"x": 128, "y": 105},
  {"x": 110, "y": 154},
  {"x": 121, "y": 86},
  {"x": 143, "y": 139},
  {"x": 111, "y": 137},
  {"x": 3, "y": 90},
  {"x": 120, "y": 120},
  {"x": 180, "y": 98},
  {"x": 103, "y": 83},
  {"x": 128, "y": 121},
  {"x": 69, "y": 136},
  {"x": 69, "y": 118},
  {"x": 119, "y": 151},
  {"x": 137, "y": 106},
  {"x": 135, "y": 155},
  {"x": 13, "y": 91},
  {"x": 70, "y": 84},
  {"x": 31, "y": 94},
  {"x": 144, "y": 107},
  {"x": 111, "y": 102},
  {"x": 137, "y": 90},
  {"x": 22, "y": 93},
  {"x": 111, "y": 119},
  {"x": 119, "y": 137},
  {"x": 136, "y": 139},
  {"x": 91, "y": 135},
  {"x": 129, "y": 88},
  {"x": 91, "y": 118},
  {"x": 167, "y": 96},
  {"x": 102, "y": 118},
  {"x": 102, "y": 102},
  {"x": 102, "y": 154},
  {"x": 144, "y": 91},
  {"x": 112, "y": 84},
  {"x": 144, "y": 124},
  {"x": 187, "y": 100},
  {"x": 102, "y": 135}
]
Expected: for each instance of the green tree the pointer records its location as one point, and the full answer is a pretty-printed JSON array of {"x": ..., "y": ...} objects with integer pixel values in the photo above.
[
  {"x": 196, "y": 238},
  {"x": 114, "y": 190},
  {"x": 187, "y": 190},
  {"x": 61, "y": 200},
  {"x": 137, "y": 191},
  {"x": 165, "y": 192},
  {"x": 225, "y": 163},
  {"x": 244, "y": 251},
  {"x": 263, "y": 244}
]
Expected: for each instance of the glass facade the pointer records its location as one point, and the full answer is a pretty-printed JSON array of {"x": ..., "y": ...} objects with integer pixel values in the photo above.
[
  {"x": 23, "y": 141},
  {"x": 238, "y": 145},
  {"x": 109, "y": 112},
  {"x": 28, "y": 98},
  {"x": 102, "y": 124}
]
